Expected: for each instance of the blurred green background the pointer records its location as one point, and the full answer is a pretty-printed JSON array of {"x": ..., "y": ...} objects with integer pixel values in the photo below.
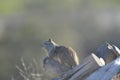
[{"x": 26, "y": 24}]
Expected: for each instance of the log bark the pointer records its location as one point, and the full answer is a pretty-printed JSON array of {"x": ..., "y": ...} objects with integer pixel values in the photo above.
[
  {"x": 108, "y": 52},
  {"x": 106, "y": 72},
  {"x": 87, "y": 66}
]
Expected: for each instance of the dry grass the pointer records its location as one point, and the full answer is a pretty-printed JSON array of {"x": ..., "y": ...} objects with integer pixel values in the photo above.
[{"x": 30, "y": 71}]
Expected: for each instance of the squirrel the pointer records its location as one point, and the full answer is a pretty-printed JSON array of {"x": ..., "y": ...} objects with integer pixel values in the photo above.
[{"x": 64, "y": 55}]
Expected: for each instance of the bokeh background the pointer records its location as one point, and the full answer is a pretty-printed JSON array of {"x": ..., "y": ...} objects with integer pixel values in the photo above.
[{"x": 26, "y": 24}]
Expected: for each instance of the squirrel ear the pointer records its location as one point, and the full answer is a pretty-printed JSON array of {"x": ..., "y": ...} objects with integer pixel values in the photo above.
[{"x": 50, "y": 40}]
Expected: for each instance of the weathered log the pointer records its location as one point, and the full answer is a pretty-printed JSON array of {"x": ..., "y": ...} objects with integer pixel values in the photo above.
[
  {"x": 108, "y": 52},
  {"x": 106, "y": 72},
  {"x": 87, "y": 66}
]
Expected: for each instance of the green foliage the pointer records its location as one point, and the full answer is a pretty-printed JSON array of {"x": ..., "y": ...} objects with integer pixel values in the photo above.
[
  {"x": 10, "y": 6},
  {"x": 13, "y": 6}
]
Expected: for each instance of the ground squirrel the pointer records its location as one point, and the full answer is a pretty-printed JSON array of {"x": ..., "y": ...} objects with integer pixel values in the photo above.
[{"x": 64, "y": 55}]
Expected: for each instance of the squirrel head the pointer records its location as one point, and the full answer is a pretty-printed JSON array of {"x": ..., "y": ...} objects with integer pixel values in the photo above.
[{"x": 49, "y": 45}]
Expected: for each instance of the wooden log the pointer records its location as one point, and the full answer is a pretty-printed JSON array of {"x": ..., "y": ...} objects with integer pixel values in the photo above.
[
  {"x": 87, "y": 66},
  {"x": 106, "y": 72},
  {"x": 108, "y": 52}
]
